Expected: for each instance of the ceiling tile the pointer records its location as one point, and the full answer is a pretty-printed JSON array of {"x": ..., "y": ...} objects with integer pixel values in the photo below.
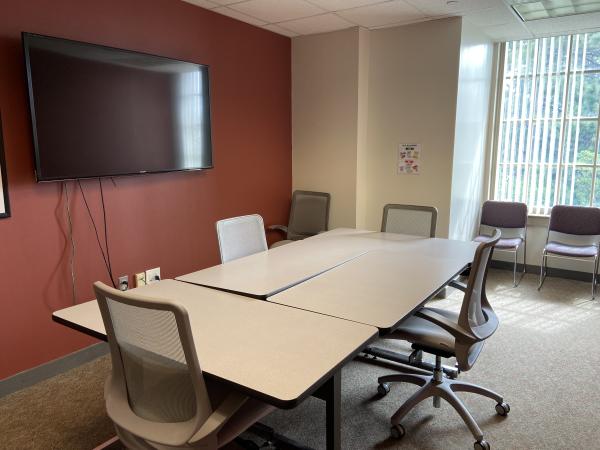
[
  {"x": 238, "y": 15},
  {"x": 507, "y": 32},
  {"x": 203, "y": 3},
  {"x": 280, "y": 30},
  {"x": 499, "y": 15},
  {"x": 442, "y": 8},
  {"x": 564, "y": 24},
  {"x": 317, "y": 24},
  {"x": 338, "y": 5},
  {"x": 277, "y": 10},
  {"x": 381, "y": 14}
]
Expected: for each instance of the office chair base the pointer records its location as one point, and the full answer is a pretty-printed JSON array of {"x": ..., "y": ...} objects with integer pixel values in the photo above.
[
  {"x": 481, "y": 445},
  {"x": 438, "y": 386},
  {"x": 410, "y": 360}
]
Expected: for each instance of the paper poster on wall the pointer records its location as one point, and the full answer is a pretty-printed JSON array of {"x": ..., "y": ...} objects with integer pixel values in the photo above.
[{"x": 409, "y": 159}]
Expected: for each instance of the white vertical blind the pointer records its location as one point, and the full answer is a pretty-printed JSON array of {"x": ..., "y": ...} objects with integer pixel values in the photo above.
[{"x": 547, "y": 143}]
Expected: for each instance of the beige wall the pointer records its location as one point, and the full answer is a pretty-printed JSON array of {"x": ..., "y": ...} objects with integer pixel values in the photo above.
[
  {"x": 357, "y": 95},
  {"x": 362, "y": 147},
  {"x": 325, "y": 119},
  {"x": 412, "y": 99}
]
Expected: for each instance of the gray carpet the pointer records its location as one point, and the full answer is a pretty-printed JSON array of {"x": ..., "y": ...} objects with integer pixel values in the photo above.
[{"x": 545, "y": 360}]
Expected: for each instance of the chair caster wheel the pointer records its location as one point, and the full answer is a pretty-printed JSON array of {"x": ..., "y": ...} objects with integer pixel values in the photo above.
[
  {"x": 383, "y": 389},
  {"x": 502, "y": 409},
  {"x": 397, "y": 431},
  {"x": 481, "y": 445}
]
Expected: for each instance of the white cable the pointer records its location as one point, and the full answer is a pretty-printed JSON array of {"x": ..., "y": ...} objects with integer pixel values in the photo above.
[{"x": 70, "y": 228}]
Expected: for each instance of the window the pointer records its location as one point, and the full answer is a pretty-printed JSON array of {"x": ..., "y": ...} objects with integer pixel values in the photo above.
[{"x": 547, "y": 134}]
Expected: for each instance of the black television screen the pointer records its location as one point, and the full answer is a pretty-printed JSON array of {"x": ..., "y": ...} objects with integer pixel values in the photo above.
[{"x": 100, "y": 111}]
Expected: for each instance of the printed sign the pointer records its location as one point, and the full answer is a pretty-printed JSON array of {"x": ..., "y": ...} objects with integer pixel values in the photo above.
[{"x": 409, "y": 159}]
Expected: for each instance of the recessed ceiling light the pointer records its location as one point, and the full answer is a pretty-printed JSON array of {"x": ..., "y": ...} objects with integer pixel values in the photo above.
[{"x": 547, "y": 9}]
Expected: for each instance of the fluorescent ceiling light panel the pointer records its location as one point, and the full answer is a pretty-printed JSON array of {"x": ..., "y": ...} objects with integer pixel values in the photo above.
[{"x": 547, "y": 9}]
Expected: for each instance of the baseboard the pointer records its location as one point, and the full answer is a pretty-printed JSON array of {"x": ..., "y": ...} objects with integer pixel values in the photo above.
[
  {"x": 48, "y": 370},
  {"x": 552, "y": 272}
]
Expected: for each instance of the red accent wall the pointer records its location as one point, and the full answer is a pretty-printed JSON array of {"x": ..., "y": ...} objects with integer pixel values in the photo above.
[{"x": 164, "y": 220}]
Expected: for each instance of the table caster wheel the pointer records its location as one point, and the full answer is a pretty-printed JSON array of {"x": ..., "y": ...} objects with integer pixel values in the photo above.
[
  {"x": 503, "y": 409},
  {"x": 397, "y": 431},
  {"x": 383, "y": 389},
  {"x": 481, "y": 445}
]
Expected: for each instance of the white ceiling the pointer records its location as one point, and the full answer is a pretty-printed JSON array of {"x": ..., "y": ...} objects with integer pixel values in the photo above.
[{"x": 299, "y": 17}]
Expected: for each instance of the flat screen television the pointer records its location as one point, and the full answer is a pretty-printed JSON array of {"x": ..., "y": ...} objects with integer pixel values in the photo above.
[{"x": 98, "y": 111}]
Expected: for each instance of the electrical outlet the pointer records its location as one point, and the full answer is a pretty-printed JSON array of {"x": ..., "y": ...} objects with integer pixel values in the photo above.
[
  {"x": 123, "y": 283},
  {"x": 140, "y": 279},
  {"x": 153, "y": 275}
]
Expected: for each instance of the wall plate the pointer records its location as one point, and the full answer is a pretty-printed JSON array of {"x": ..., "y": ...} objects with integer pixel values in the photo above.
[{"x": 152, "y": 275}]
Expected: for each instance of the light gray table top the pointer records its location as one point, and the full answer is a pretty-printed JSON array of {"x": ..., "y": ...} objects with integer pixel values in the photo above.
[
  {"x": 272, "y": 352},
  {"x": 382, "y": 287},
  {"x": 264, "y": 274}
]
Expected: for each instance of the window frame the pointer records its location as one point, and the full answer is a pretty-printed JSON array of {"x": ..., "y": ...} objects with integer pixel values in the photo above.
[{"x": 565, "y": 117}]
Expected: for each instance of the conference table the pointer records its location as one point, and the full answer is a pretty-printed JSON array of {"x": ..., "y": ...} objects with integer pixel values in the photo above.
[{"x": 254, "y": 319}]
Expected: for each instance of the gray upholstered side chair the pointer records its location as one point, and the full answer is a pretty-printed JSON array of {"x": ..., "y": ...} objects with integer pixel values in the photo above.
[
  {"x": 573, "y": 232},
  {"x": 309, "y": 215},
  {"x": 156, "y": 394},
  {"x": 446, "y": 334},
  {"x": 409, "y": 219},
  {"x": 511, "y": 218},
  {"x": 241, "y": 236}
]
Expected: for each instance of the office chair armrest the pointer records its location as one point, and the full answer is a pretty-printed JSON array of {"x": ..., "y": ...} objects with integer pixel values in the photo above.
[
  {"x": 219, "y": 417},
  {"x": 451, "y": 327},
  {"x": 281, "y": 228},
  {"x": 458, "y": 285}
]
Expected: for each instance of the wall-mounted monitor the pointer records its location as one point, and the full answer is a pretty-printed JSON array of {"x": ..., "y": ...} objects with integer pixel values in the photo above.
[{"x": 98, "y": 111}]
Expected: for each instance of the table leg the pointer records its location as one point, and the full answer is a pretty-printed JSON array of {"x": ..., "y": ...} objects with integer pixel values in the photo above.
[{"x": 331, "y": 392}]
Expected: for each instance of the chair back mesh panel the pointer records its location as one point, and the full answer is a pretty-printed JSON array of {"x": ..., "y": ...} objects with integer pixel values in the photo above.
[
  {"x": 477, "y": 315},
  {"x": 474, "y": 306},
  {"x": 408, "y": 219},
  {"x": 158, "y": 381},
  {"x": 241, "y": 236},
  {"x": 309, "y": 214}
]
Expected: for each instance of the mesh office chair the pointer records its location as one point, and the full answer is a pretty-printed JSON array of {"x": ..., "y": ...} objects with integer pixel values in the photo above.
[
  {"x": 581, "y": 223},
  {"x": 509, "y": 216},
  {"x": 309, "y": 215},
  {"x": 156, "y": 394},
  {"x": 446, "y": 334},
  {"x": 409, "y": 219},
  {"x": 241, "y": 236}
]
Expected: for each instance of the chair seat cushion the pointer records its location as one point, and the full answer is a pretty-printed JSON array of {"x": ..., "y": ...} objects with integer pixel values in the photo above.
[
  {"x": 503, "y": 243},
  {"x": 424, "y": 333},
  {"x": 577, "y": 251}
]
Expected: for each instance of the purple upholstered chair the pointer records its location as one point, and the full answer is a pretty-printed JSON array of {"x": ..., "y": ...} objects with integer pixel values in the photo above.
[
  {"x": 581, "y": 221},
  {"x": 510, "y": 217}
]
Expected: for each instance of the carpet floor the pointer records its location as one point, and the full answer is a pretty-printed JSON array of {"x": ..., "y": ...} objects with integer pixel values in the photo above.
[{"x": 544, "y": 359}]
